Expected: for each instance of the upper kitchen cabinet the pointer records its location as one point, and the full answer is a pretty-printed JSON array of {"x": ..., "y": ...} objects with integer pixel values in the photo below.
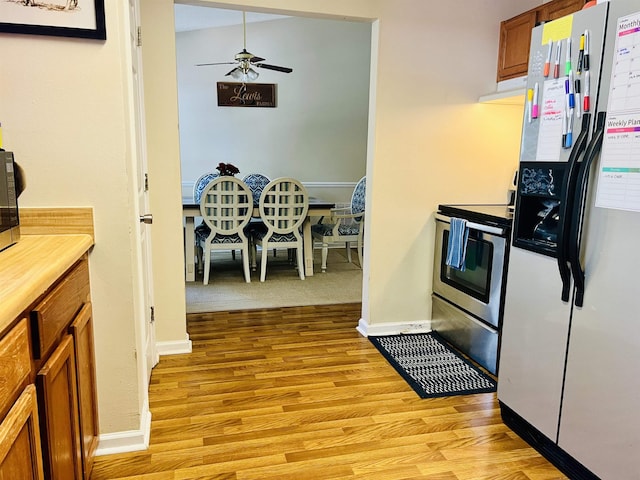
[
  {"x": 559, "y": 8},
  {"x": 513, "y": 53},
  {"x": 515, "y": 35}
]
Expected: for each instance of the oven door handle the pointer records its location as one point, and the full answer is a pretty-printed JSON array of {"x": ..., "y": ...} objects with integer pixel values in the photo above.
[{"x": 502, "y": 232}]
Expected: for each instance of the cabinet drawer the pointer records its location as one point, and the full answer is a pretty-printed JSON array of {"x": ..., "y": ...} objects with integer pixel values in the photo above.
[
  {"x": 15, "y": 364},
  {"x": 53, "y": 315}
]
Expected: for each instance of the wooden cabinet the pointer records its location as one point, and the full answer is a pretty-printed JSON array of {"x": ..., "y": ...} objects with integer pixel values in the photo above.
[
  {"x": 60, "y": 430},
  {"x": 51, "y": 317},
  {"x": 48, "y": 400},
  {"x": 515, "y": 38},
  {"x": 62, "y": 330},
  {"x": 20, "y": 454},
  {"x": 515, "y": 35},
  {"x": 20, "y": 451},
  {"x": 82, "y": 332},
  {"x": 15, "y": 364},
  {"x": 558, "y": 8}
]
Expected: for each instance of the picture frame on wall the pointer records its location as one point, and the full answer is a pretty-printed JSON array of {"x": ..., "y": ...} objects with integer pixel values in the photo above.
[{"x": 61, "y": 18}]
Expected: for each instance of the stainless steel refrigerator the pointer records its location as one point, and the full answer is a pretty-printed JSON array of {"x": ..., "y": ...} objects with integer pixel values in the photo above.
[{"x": 569, "y": 378}]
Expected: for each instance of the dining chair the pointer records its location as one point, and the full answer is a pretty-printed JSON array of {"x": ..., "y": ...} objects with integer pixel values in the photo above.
[
  {"x": 200, "y": 183},
  {"x": 284, "y": 203},
  {"x": 345, "y": 225},
  {"x": 198, "y": 187},
  {"x": 226, "y": 204},
  {"x": 256, "y": 182}
]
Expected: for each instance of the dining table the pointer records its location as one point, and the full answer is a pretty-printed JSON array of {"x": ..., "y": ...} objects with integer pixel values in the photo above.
[{"x": 191, "y": 210}]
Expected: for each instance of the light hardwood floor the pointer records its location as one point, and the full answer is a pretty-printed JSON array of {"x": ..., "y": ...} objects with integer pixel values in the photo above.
[{"x": 297, "y": 393}]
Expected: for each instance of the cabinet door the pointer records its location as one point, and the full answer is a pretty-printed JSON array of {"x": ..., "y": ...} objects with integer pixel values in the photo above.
[
  {"x": 559, "y": 8},
  {"x": 20, "y": 453},
  {"x": 82, "y": 331},
  {"x": 58, "y": 398},
  {"x": 515, "y": 38}
]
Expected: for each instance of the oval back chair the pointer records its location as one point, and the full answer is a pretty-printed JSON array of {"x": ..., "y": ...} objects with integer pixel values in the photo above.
[
  {"x": 284, "y": 203},
  {"x": 225, "y": 205},
  {"x": 346, "y": 225}
]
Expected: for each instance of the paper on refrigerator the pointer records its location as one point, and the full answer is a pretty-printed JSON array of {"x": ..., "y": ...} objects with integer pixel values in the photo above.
[
  {"x": 552, "y": 117},
  {"x": 619, "y": 171}
]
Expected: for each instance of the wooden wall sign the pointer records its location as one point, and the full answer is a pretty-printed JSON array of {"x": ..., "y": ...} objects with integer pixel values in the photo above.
[{"x": 246, "y": 94}]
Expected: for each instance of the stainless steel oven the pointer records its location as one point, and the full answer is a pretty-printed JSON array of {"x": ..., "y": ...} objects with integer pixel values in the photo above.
[{"x": 467, "y": 304}]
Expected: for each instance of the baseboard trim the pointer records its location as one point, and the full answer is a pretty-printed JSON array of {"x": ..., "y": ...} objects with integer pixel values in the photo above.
[
  {"x": 127, "y": 441},
  {"x": 176, "y": 347},
  {"x": 383, "y": 329}
]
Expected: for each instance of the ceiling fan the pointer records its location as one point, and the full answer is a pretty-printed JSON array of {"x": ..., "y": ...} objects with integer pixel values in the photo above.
[{"x": 246, "y": 60}]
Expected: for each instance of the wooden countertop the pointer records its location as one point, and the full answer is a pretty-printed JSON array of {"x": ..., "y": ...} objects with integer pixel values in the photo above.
[{"x": 31, "y": 266}]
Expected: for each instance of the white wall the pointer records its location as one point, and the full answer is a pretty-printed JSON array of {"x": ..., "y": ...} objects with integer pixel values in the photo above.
[
  {"x": 317, "y": 132},
  {"x": 65, "y": 112},
  {"x": 165, "y": 197},
  {"x": 429, "y": 140}
]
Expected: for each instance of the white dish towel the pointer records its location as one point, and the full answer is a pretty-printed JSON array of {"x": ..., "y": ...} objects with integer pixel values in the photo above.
[{"x": 457, "y": 247}]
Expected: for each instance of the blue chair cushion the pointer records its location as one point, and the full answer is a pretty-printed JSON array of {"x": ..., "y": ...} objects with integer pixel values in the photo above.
[
  {"x": 276, "y": 237},
  {"x": 202, "y": 182},
  {"x": 203, "y": 232},
  {"x": 256, "y": 183},
  {"x": 326, "y": 229}
]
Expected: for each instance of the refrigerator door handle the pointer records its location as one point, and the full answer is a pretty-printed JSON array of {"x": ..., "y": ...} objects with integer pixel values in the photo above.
[
  {"x": 579, "y": 205},
  {"x": 567, "y": 205}
]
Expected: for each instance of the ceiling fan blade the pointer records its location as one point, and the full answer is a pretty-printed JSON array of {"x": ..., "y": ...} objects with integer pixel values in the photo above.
[
  {"x": 245, "y": 58},
  {"x": 274, "y": 67},
  {"x": 231, "y": 71},
  {"x": 217, "y": 63}
]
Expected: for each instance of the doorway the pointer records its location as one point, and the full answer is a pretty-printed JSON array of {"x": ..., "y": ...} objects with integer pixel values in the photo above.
[{"x": 318, "y": 130}]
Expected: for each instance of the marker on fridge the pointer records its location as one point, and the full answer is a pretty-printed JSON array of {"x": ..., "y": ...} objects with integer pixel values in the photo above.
[
  {"x": 586, "y": 99},
  {"x": 556, "y": 65},
  {"x": 567, "y": 57},
  {"x": 572, "y": 100},
  {"x": 534, "y": 108},
  {"x": 564, "y": 128},
  {"x": 576, "y": 87},
  {"x": 569, "y": 138},
  {"x": 580, "y": 55},
  {"x": 529, "y": 104},
  {"x": 547, "y": 64},
  {"x": 585, "y": 61}
]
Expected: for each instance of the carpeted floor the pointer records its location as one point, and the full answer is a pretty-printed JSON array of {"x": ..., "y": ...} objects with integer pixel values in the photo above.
[{"x": 227, "y": 290}]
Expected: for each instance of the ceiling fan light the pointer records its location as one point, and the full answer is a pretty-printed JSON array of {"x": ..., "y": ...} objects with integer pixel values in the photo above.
[
  {"x": 252, "y": 74},
  {"x": 236, "y": 73}
]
